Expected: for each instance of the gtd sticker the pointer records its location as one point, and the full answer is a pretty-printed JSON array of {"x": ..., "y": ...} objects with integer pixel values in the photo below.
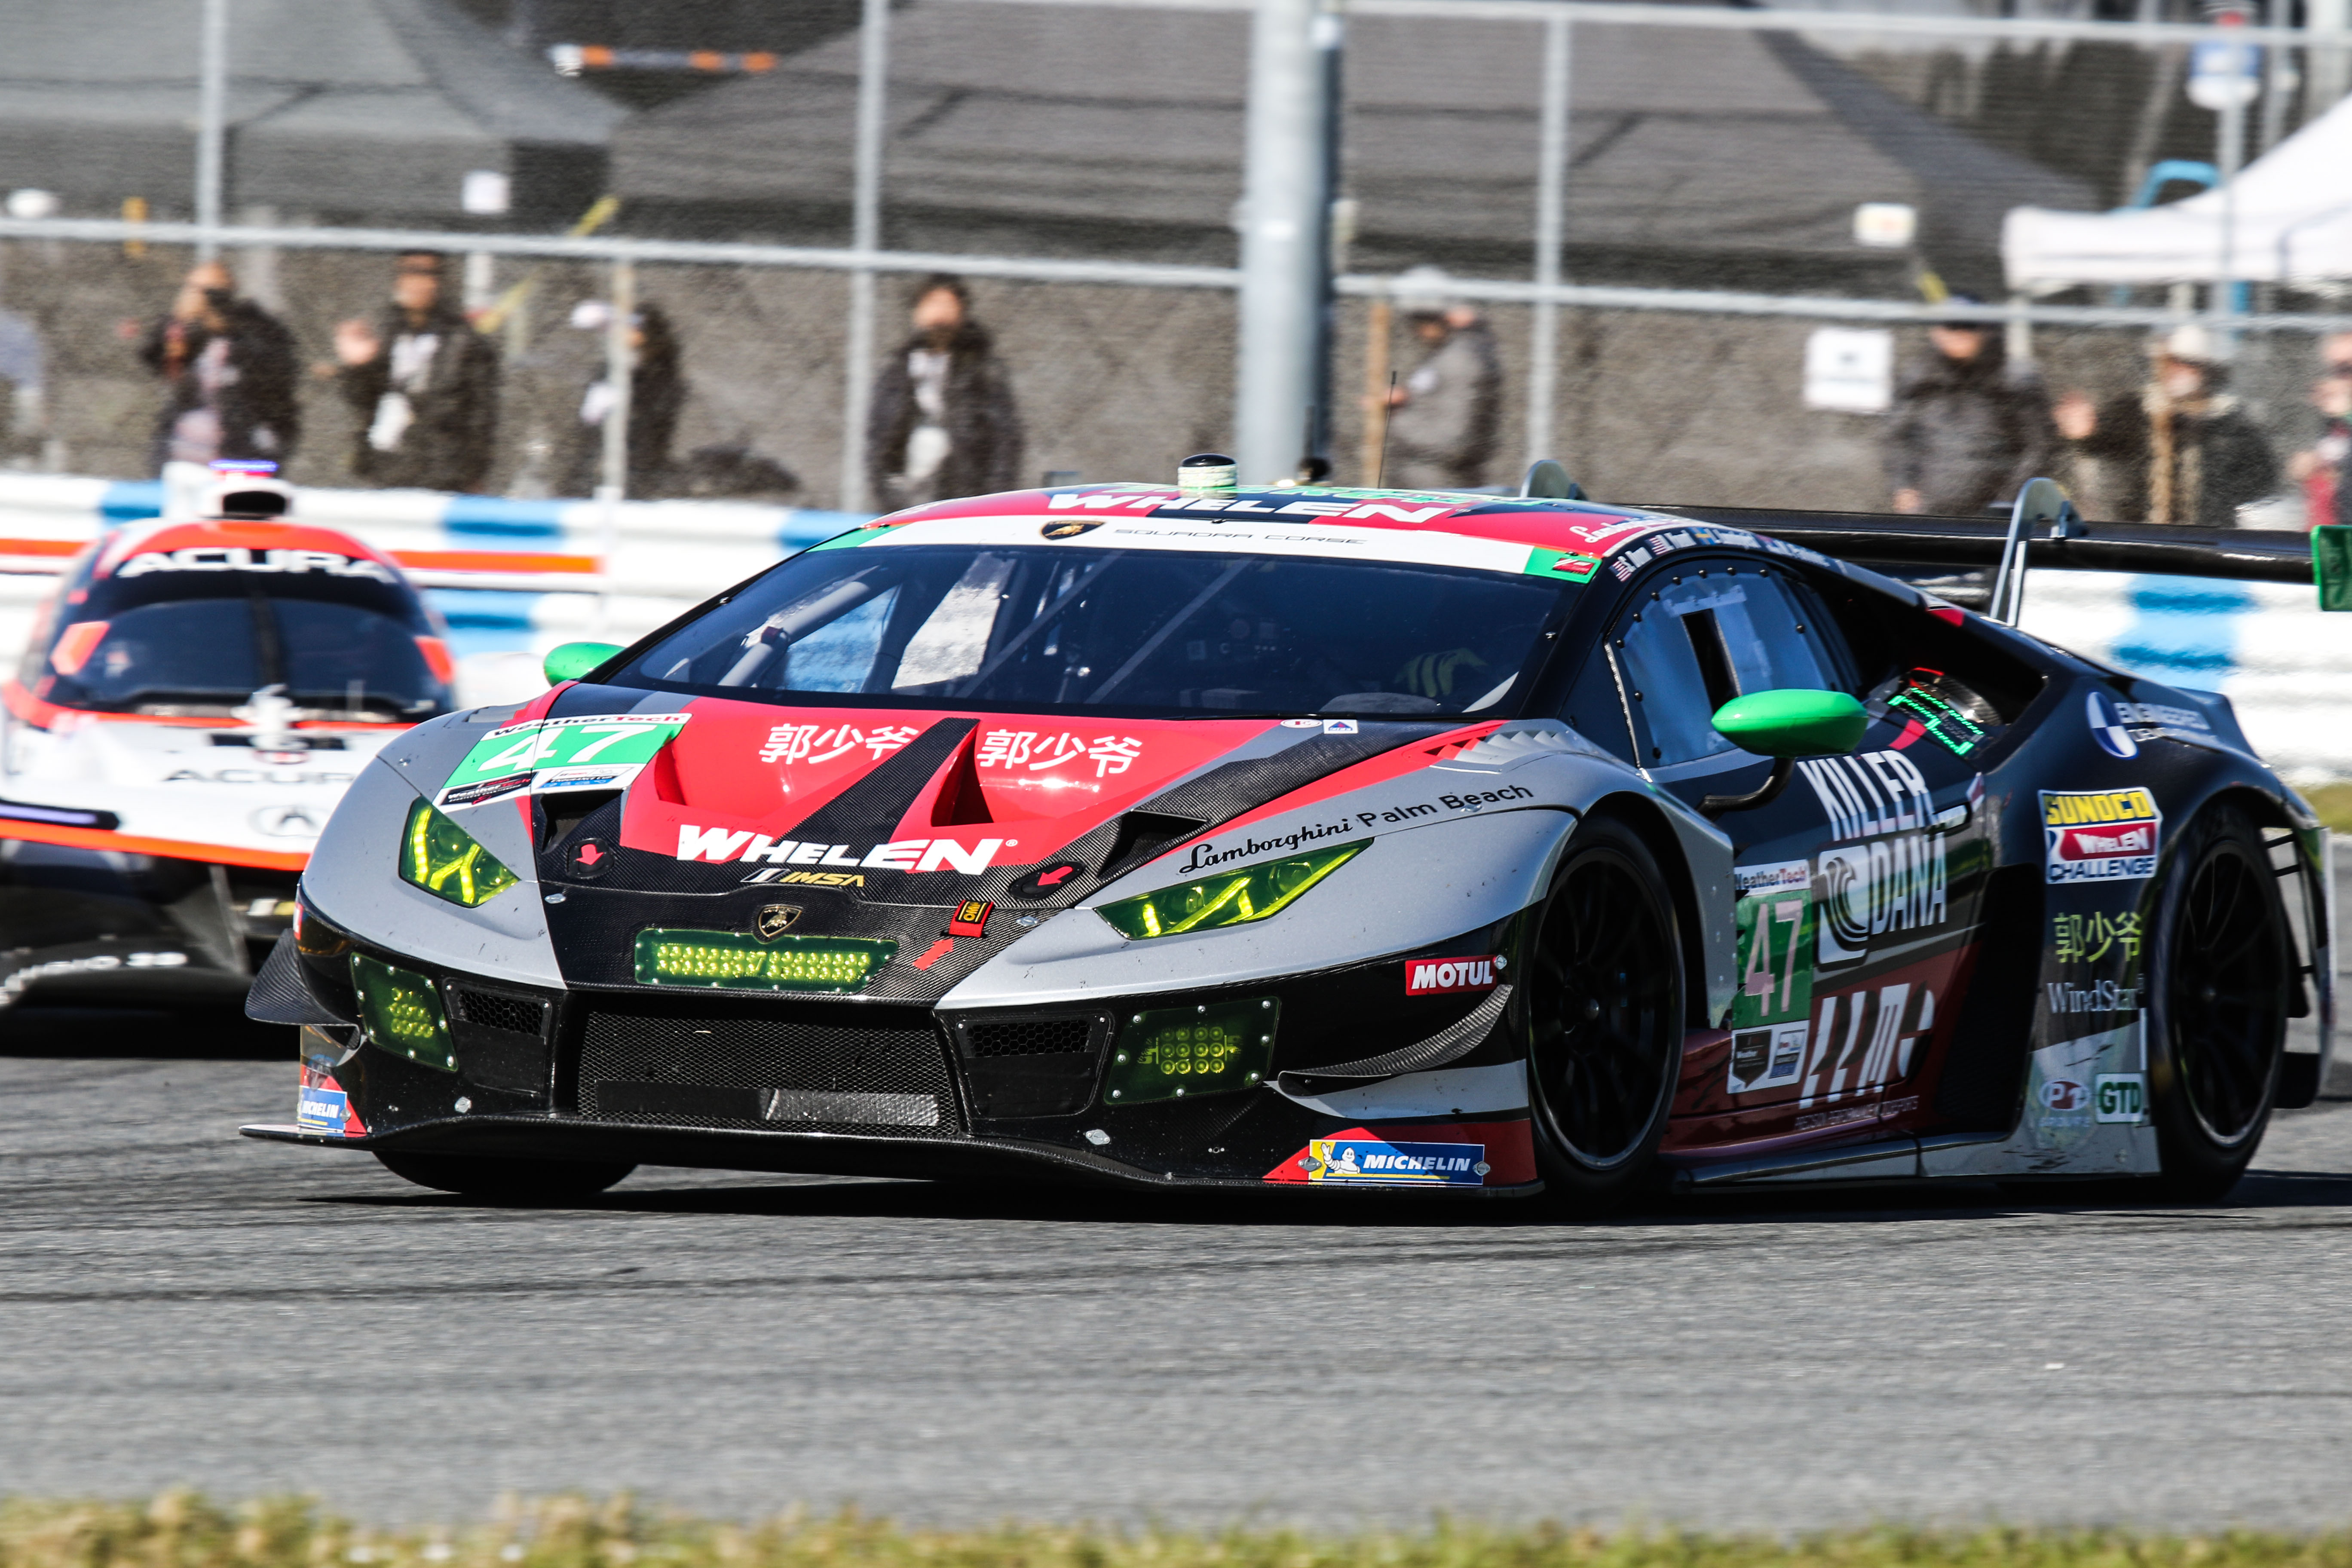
[
  {"x": 2107, "y": 726},
  {"x": 1434, "y": 976},
  {"x": 2120, "y": 1097}
]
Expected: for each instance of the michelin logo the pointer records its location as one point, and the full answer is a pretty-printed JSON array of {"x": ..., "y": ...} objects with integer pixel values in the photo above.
[{"x": 1367, "y": 1162}]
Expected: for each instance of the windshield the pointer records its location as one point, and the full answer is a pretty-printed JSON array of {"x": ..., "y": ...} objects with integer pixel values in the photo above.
[
  {"x": 1044, "y": 627},
  {"x": 203, "y": 655}
]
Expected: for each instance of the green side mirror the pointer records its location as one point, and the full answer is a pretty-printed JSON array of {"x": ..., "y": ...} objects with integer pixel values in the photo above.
[
  {"x": 570, "y": 661},
  {"x": 2331, "y": 565},
  {"x": 1793, "y": 724}
]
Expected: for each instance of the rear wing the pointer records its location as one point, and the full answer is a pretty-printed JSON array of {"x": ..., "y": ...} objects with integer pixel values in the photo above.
[{"x": 1962, "y": 544}]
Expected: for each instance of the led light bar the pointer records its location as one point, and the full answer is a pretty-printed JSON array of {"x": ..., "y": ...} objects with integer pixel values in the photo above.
[
  {"x": 402, "y": 1011},
  {"x": 1179, "y": 1053},
  {"x": 733, "y": 961}
]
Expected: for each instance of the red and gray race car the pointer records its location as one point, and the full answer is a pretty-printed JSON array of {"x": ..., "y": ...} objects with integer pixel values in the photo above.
[{"x": 1310, "y": 837}]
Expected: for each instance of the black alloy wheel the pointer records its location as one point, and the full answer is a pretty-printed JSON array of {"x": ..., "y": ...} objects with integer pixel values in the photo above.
[
  {"x": 1605, "y": 1013},
  {"x": 495, "y": 1181},
  {"x": 2221, "y": 976}
]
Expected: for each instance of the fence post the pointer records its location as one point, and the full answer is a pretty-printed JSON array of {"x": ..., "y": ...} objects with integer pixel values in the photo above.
[
  {"x": 620, "y": 370},
  {"x": 1551, "y": 174},
  {"x": 865, "y": 236},
  {"x": 1287, "y": 205},
  {"x": 2328, "y": 63},
  {"x": 212, "y": 130}
]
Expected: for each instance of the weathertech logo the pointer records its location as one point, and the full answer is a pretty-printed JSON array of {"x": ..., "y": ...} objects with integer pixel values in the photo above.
[
  {"x": 723, "y": 844},
  {"x": 1435, "y": 976}
]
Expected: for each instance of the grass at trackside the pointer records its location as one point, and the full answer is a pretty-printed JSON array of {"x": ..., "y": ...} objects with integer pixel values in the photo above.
[
  {"x": 2334, "y": 804},
  {"x": 179, "y": 1530}
]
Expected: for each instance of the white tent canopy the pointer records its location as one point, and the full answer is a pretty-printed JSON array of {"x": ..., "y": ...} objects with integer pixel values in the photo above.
[{"x": 2293, "y": 225}]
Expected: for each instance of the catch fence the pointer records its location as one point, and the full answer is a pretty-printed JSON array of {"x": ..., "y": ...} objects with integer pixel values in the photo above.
[{"x": 1705, "y": 241}]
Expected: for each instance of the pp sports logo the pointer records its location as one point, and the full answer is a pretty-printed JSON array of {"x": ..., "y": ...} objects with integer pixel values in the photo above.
[
  {"x": 2107, "y": 729},
  {"x": 2100, "y": 836},
  {"x": 1437, "y": 976},
  {"x": 2064, "y": 1094}
]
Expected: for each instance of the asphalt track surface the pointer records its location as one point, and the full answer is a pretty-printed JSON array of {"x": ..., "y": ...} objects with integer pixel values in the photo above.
[{"x": 181, "y": 1305}]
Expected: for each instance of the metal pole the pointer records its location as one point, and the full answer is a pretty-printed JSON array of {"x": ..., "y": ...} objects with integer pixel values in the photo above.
[
  {"x": 2328, "y": 63},
  {"x": 1285, "y": 204},
  {"x": 866, "y": 234},
  {"x": 620, "y": 370},
  {"x": 212, "y": 115},
  {"x": 2226, "y": 158},
  {"x": 1331, "y": 45},
  {"x": 1551, "y": 174}
]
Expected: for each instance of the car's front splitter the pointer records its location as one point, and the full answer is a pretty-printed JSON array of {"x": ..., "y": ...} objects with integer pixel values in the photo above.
[{"x": 804, "y": 1153}]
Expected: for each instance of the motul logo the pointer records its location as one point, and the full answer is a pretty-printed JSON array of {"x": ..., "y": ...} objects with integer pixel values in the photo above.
[{"x": 1431, "y": 976}]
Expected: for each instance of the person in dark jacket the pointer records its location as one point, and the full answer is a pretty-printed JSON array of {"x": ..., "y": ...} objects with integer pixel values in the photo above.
[
  {"x": 425, "y": 383},
  {"x": 1970, "y": 427},
  {"x": 657, "y": 392},
  {"x": 943, "y": 421},
  {"x": 2180, "y": 449},
  {"x": 2326, "y": 468},
  {"x": 1445, "y": 422},
  {"x": 230, "y": 371}
]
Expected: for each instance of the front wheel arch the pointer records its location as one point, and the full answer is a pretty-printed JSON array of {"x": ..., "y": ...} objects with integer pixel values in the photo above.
[{"x": 1643, "y": 818}]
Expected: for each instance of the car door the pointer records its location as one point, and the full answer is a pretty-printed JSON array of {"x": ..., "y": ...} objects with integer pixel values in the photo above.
[{"x": 1850, "y": 941}]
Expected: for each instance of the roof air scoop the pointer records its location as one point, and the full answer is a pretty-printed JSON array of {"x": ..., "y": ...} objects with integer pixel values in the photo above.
[
  {"x": 1547, "y": 480},
  {"x": 1207, "y": 472}
]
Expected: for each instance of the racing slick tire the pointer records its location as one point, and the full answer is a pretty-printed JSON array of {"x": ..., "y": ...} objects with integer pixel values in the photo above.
[
  {"x": 2221, "y": 968},
  {"x": 506, "y": 1180},
  {"x": 1604, "y": 992}
]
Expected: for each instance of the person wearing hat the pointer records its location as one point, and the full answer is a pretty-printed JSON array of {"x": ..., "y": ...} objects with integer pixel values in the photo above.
[
  {"x": 1970, "y": 426},
  {"x": 1445, "y": 421},
  {"x": 425, "y": 386},
  {"x": 2180, "y": 449},
  {"x": 230, "y": 371}
]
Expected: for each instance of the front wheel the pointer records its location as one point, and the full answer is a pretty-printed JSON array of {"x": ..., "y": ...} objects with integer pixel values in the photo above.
[
  {"x": 506, "y": 1180},
  {"x": 1606, "y": 1019},
  {"x": 2220, "y": 969}
]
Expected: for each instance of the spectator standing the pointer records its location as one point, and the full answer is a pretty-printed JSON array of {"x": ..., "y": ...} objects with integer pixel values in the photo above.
[
  {"x": 657, "y": 392},
  {"x": 2180, "y": 449},
  {"x": 1445, "y": 421},
  {"x": 2325, "y": 470},
  {"x": 1970, "y": 426},
  {"x": 426, "y": 383},
  {"x": 230, "y": 371},
  {"x": 24, "y": 417},
  {"x": 943, "y": 421}
]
